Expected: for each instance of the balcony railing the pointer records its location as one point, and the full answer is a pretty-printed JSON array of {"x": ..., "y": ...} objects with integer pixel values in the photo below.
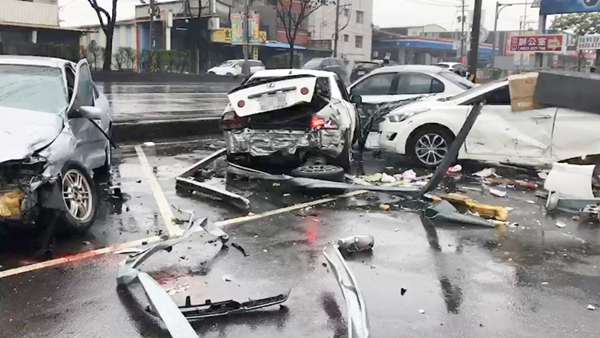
[{"x": 28, "y": 13}]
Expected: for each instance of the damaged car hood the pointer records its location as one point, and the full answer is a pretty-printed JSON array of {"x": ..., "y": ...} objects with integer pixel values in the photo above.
[{"x": 22, "y": 132}]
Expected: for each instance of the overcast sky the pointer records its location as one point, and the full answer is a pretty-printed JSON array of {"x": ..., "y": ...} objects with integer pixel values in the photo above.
[{"x": 387, "y": 13}]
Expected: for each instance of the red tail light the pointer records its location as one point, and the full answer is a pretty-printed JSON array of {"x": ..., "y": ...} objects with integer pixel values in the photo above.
[
  {"x": 241, "y": 103},
  {"x": 230, "y": 120},
  {"x": 304, "y": 91},
  {"x": 318, "y": 122}
]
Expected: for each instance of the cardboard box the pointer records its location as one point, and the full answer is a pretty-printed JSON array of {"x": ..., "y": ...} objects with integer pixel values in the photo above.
[{"x": 522, "y": 91}]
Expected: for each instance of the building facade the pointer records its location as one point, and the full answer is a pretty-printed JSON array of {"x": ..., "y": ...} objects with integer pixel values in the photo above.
[
  {"x": 31, "y": 27},
  {"x": 355, "y": 25}
]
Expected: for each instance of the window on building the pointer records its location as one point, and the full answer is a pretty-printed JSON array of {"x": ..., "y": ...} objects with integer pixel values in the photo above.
[
  {"x": 359, "y": 41},
  {"x": 360, "y": 16},
  {"x": 346, "y": 11},
  {"x": 346, "y": 37}
]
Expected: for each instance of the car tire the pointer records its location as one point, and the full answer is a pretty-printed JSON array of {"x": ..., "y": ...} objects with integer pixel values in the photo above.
[
  {"x": 437, "y": 140},
  {"x": 321, "y": 172},
  {"x": 213, "y": 73},
  {"x": 344, "y": 160},
  {"x": 591, "y": 2},
  {"x": 229, "y": 74},
  {"x": 80, "y": 199}
]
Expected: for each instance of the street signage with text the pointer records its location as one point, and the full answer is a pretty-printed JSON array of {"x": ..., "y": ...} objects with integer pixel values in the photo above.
[
  {"x": 546, "y": 43},
  {"x": 588, "y": 42}
]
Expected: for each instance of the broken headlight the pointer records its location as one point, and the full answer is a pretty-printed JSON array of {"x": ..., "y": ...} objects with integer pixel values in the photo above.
[
  {"x": 19, "y": 173},
  {"x": 406, "y": 115}
]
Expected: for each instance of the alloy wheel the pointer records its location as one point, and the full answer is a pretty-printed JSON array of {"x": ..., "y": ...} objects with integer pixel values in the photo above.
[
  {"x": 431, "y": 149},
  {"x": 77, "y": 195}
]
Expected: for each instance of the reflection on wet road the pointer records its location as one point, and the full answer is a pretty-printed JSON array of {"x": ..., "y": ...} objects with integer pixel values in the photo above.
[
  {"x": 534, "y": 280},
  {"x": 143, "y": 101}
]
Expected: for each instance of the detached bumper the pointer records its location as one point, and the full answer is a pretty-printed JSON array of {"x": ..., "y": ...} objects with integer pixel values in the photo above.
[{"x": 290, "y": 143}]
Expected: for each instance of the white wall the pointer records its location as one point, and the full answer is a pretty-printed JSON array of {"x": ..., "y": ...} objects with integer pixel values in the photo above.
[
  {"x": 37, "y": 13},
  {"x": 321, "y": 25}
]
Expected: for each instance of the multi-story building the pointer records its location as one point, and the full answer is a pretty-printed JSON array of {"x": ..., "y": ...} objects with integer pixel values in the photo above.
[
  {"x": 31, "y": 27},
  {"x": 355, "y": 22}
]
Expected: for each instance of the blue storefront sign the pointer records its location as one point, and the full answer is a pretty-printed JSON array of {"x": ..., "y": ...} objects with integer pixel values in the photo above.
[{"x": 569, "y": 6}]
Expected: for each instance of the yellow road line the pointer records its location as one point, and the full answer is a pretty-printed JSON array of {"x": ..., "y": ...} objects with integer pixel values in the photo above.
[
  {"x": 163, "y": 205},
  {"x": 78, "y": 257}
]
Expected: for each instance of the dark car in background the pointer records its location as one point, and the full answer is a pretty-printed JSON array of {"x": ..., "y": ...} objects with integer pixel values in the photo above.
[
  {"x": 334, "y": 65},
  {"x": 363, "y": 68}
]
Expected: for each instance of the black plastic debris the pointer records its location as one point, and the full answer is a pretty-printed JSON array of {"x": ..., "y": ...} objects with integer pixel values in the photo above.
[{"x": 444, "y": 211}]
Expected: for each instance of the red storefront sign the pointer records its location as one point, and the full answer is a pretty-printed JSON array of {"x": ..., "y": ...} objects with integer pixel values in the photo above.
[{"x": 549, "y": 43}]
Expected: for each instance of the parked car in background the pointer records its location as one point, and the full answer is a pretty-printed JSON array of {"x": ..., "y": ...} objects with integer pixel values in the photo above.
[
  {"x": 363, "y": 68},
  {"x": 337, "y": 66},
  {"x": 395, "y": 83},
  {"x": 456, "y": 67},
  {"x": 424, "y": 130},
  {"x": 234, "y": 67},
  {"x": 53, "y": 130},
  {"x": 290, "y": 115}
]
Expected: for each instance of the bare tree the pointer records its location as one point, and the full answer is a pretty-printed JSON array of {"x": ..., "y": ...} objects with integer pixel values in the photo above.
[
  {"x": 107, "y": 23},
  {"x": 291, "y": 15}
]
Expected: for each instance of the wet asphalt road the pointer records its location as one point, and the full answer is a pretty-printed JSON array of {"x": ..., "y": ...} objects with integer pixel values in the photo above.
[
  {"x": 155, "y": 101},
  {"x": 531, "y": 281}
]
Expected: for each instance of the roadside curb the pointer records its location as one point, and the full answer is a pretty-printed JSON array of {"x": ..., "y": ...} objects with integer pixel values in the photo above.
[{"x": 150, "y": 130}]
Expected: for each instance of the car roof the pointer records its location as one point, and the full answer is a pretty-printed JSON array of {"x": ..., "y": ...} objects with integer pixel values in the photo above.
[
  {"x": 32, "y": 61},
  {"x": 408, "y": 69},
  {"x": 285, "y": 72},
  {"x": 451, "y": 64}
]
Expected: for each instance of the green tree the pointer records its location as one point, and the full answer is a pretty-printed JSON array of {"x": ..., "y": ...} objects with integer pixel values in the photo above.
[
  {"x": 581, "y": 24},
  {"x": 291, "y": 15}
]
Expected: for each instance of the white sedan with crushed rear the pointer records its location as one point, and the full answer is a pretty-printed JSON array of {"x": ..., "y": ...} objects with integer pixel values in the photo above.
[
  {"x": 291, "y": 115},
  {"x": 424, "y": 130}
]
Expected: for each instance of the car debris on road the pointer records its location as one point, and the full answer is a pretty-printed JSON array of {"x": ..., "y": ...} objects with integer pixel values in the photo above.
[{"x": 177, "y": 318}]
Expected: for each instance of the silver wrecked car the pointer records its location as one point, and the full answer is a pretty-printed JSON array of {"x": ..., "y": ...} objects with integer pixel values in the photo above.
[
  {"x": 291, "y": 115},
  {"x": 54, "y": 127}
]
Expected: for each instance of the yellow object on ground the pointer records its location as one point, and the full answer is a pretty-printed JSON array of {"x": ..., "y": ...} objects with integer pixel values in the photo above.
[
  {"x": 385, "y": 207},
  {"x": 10, "y": 204},
  {"x": 484, "y": 210}
]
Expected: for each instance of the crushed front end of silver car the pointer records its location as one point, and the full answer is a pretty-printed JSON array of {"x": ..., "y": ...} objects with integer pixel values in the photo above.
[{"x": 291, "y": 117}]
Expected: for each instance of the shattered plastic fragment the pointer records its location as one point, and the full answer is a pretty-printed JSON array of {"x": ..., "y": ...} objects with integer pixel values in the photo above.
[
  {"x": 384, "y": 207},
  {"x": 149, "y": 144},
  {"x": 485, "y": 172},
  {"x": 226, "y": 278},
  {"x": 591, "y": 307},
  {"x": 356, "y": 243},
  {"x": 385, "y": 178},
  {"x": 446, "y": 212},
  {"x": 409, "y": 175},
  {"x": 454, "y": 169},
  {"x": 560, "y": 224},
  {"x": 421, "y": 311},
  {"x": 497, "y": 192}
]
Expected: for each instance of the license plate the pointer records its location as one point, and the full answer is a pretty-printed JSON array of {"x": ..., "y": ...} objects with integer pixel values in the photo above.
[
  {"x": 361, "y": 72},
  {"x": 272, "y": 102}
]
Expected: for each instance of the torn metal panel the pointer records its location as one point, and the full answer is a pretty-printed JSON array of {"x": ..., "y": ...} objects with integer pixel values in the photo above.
[
  {"x": 444, "y": 211},
  {"x": 571, "y": 205},
  {"x": 259, "y": 143},
  {"x": 574, "y": 181},
  {"x": 213, "y": 192},
  {"x": 358, "y": 323},
  {"x": 203, "y": 162}
]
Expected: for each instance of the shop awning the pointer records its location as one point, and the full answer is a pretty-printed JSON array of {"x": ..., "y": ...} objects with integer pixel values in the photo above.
[{"x": 282, "y": 45}]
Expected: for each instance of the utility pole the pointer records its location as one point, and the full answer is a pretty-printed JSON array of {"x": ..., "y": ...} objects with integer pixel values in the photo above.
[
  {"x": 337, "y": 28},
  {"x": 474, "y": 54},
  {"x": 499, "y": 8},
  {"x": 246, "y": 45},
  {"x": 462, "y": 32}
]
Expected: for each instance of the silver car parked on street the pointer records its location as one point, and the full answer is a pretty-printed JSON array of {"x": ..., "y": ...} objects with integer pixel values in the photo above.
[{"x": 54, "y": 127}]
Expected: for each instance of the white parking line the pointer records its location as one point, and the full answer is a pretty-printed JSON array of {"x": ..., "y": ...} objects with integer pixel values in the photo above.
[{"x": 163, "y": 205}]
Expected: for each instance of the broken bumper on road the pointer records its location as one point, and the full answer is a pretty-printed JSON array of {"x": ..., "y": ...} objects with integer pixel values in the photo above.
[
  {"x": 289, "y": 143},
  {"x": 176, "y": 318}
]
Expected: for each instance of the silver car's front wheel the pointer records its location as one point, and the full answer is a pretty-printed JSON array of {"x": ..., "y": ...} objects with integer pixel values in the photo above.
[{"x": 77, "y": 195}]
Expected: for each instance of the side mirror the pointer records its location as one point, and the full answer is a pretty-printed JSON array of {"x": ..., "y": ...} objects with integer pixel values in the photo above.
[
  {"x": 356, "y": 99},
  {"x": 88, "y": 112}
]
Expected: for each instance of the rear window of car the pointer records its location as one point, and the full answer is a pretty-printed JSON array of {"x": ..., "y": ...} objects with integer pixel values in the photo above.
[
  {"x": 457, "y": 80},
  {"x": 32, "y": 88}
]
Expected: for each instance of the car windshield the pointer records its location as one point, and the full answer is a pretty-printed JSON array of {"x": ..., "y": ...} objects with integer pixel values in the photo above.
[
  {"x": 457, "y": 79},
  {"x": 476, "y": 90},
  {"x": 32, "y": 88},
  {"x": 229, "y": 63},
  {"x": 312, "y": 63}
]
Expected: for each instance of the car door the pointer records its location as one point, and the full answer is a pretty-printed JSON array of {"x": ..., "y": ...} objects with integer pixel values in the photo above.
[
  {"x": 349, "y": 109},
  {"x": 91, "y": 142},
  {"x": 575, "y": 134},
  {"x": 500, "y": 133}
]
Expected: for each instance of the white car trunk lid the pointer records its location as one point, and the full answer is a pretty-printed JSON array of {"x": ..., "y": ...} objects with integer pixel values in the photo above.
[{"x": 273, "y": 95}]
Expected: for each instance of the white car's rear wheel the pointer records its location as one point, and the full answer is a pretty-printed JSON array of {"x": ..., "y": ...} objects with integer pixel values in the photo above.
[{"x": 428, "y": 147}]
